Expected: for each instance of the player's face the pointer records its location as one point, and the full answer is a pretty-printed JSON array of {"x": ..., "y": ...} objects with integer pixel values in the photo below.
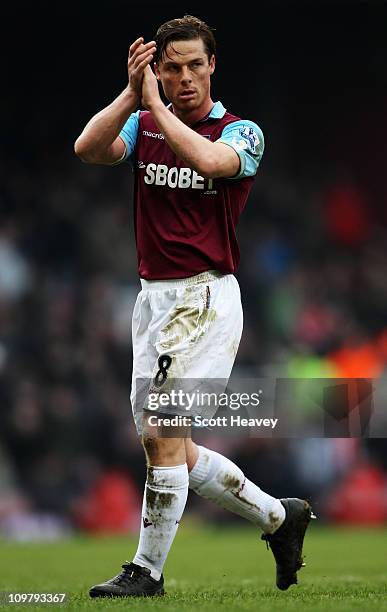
[{"x": 185, "y": 73}]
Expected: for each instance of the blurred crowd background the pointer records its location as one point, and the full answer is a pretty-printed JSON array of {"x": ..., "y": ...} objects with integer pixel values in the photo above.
[{"x": 313, "y": 240}]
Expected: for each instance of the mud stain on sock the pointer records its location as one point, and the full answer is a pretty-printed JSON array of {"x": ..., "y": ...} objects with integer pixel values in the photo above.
[
  {"x": 274, "y": 520},
  {"x": 242, "y": 498},
  {"x": 206, "y": 458},
  {"x": 157, "y": 500},
  {"x": 230, "y": 482}
]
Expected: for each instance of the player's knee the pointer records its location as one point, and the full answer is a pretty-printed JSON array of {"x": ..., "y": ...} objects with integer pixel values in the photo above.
[
  {"x": 150, "y": 442},
  {"x": 163, "y": 451},
  {"x": 192, "y": 453}
]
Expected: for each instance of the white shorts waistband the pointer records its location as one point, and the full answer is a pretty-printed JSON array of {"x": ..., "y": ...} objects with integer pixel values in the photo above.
[{"x": 203, "y": 277}]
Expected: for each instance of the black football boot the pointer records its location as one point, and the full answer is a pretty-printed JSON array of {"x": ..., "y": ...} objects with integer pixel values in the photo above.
[
  {"x": 286, "y": 543},
  {"x": 133, "y": 581}
]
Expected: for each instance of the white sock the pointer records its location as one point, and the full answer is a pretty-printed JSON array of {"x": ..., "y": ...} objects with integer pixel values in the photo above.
[
  {"x": 218, "y": 479},
  {"x": 165, "y": 496}
]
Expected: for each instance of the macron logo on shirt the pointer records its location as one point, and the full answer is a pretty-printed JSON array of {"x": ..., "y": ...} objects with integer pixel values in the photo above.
[{"x": 152, "y": 135}]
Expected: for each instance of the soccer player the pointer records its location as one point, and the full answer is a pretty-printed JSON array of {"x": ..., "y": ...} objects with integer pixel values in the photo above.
[{"x": 194, "y": 166}]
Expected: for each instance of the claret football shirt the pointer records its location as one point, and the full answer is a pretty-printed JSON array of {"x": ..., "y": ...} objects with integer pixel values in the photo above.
[{"x": 184, "y": 223}]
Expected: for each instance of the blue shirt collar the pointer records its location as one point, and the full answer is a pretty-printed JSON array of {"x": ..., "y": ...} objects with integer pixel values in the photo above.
[{"x": 217, "y": 112}]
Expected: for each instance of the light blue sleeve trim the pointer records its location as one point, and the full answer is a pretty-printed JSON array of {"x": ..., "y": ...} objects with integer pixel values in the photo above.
[
  {"x": 246, "y": 138},
  {"x": 129, "y": 134}
]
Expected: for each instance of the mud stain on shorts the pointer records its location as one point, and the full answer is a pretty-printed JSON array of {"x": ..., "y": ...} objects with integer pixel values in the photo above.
[
  {"x": 233, "y": 348},
  {"x": 183, "y": 323},
  {"x": 187, "y": 322}
]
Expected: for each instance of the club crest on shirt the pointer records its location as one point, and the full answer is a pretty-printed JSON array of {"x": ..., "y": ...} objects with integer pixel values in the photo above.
[{"x": 248, "y": 139}]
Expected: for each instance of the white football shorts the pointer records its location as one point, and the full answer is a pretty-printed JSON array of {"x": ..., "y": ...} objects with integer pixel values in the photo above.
[{"x": 186, "y": 333}]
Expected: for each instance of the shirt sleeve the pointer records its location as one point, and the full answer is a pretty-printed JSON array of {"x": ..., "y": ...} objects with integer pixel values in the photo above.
[
  {"x": 129, "y": 134},
  {"x": 246, "y": 138}
]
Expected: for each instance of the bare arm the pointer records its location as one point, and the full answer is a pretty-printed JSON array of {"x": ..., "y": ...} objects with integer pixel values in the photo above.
[
  {"x": 209, "y": 159},
  {"x": 99, "y": 142}
]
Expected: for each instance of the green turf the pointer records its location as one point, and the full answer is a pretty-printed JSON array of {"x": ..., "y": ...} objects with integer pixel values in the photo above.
[{"x": 214, "y": 569}]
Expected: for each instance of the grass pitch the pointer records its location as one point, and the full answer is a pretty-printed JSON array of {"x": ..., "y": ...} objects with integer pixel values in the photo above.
[{"x": 212, "y": 569}]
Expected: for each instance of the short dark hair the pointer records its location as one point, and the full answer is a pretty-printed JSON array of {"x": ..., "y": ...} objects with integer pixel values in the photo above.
[{"x": 184, "y": 28}]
